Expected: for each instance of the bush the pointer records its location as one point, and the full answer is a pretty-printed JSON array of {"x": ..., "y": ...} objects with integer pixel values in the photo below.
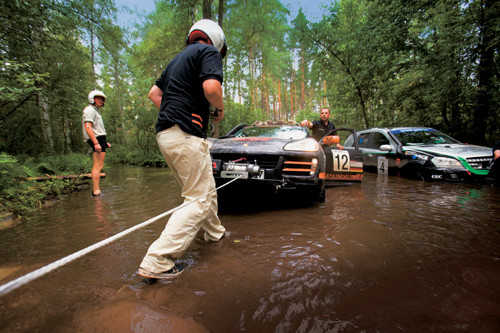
[
  {"x": 20, "y": 194},
  {"x": 139, "y": 157}
]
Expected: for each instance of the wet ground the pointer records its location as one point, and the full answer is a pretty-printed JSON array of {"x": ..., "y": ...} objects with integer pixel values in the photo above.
[{"x": 386, "y": 255}]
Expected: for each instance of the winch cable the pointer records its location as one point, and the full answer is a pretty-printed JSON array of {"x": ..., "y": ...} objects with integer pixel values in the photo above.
[{"x": 20, "y": 281}]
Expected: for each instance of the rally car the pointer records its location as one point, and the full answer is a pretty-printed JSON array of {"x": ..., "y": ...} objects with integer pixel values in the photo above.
[
  {"x": 421, "y": 153},
  {"x": 282, "y": 157}
]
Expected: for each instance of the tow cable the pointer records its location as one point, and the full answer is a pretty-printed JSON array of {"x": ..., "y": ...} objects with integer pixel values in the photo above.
[{"x": 20, "y": 281}]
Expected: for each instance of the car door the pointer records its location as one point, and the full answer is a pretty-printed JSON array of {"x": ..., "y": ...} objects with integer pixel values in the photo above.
[
  {"x": 382, "y": 153},
  {"x": 365, "y": 144},
  {"x": 342, "y": 163}
]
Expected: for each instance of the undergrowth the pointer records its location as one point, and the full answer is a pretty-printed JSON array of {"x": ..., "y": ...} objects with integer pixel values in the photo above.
[{"x": 21, "y": 193}]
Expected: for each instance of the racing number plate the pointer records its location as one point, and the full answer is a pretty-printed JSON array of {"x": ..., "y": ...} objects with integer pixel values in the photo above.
[
  {"x": 341, "y": 160},
  {"x": 234, "y": 174}
]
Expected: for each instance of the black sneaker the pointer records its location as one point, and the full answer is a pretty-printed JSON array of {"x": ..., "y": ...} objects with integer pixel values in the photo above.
[
  {"x": 226, "y": 234},
  {"x": 174, "y": 271}
]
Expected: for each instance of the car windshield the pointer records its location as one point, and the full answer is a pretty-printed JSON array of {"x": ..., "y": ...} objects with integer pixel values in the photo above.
[
  {"x": 280, "y": 132},
  {"x": 422, "y": 136}
]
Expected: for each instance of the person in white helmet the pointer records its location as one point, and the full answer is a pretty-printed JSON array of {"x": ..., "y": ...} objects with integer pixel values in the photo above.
[
  {"x": 190, "y": 84},
  {"x": 95, "y": 135}
]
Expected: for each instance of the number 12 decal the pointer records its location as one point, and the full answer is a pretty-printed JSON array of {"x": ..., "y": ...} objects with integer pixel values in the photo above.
[{"x": 341, "y": 160}]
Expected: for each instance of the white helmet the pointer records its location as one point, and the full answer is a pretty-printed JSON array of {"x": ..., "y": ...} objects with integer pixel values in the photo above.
[
  {"x": 213, "y": 31},
  {"x": 95, "y": 93}
]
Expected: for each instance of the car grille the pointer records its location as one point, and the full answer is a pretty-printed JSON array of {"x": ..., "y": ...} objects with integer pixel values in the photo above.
[
  {"x": 480, "y": 163},
  {"x": 271, "y": 162},
  {"x": 297, "y": 168}
]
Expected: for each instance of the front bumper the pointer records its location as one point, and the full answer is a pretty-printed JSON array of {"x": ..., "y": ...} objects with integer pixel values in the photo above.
[{"x": 284, "y": 174}]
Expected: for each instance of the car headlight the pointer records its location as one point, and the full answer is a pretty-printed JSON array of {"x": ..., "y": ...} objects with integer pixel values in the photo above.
[
  {"x": 302, "y": 145},
  {"x": 446, "y": 162},
  {"x": 416, "y": 156}
]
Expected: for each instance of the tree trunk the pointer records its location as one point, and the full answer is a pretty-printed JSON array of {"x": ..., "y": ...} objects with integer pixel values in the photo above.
[
  {"x": 119, "y": 102},
  {"x": 485, "y": 72},
  {"x": 252, "y": 83},
  {"x": 292, "y": 99},
  {"x": 49, "y": 177},
  {"x": 45, "y": 121},
  {"x": 42, "y": 101},
  {"x": 68, "y": 144},
  {"x": 221, "y": 13},
  {"x": 285, "y": 102},
  {"x": 324, "y": 93},
  {"x": 363, "y": 106},
  {"x": 92, "y": 57},
  {"x": 207, "y": 9},
  {"x": 303, "y": 87},
  {"x": 279, "y": 99}
]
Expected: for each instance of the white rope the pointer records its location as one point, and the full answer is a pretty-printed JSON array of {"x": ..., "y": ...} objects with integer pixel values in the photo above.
[{"x": 14, "y": 284}]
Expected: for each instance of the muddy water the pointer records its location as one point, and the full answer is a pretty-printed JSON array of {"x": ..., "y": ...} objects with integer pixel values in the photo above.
[{"x": 387, "y": 255}]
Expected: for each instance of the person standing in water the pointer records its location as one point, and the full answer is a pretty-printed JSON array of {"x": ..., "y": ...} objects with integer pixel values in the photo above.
[
  {"x": 187, "y": 88},
  {"x": 95, "y": 135}
]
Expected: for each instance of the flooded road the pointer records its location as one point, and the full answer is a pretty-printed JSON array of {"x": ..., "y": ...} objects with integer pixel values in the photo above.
[{"x": 386, "y": 255}]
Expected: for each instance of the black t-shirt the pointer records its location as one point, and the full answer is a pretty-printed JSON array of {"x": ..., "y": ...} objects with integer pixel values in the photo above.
[
  {"x": 319, "y": 129},
  {"x": 183, "y": 101}
]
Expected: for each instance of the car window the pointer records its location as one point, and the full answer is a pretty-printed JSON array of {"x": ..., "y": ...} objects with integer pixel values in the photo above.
[
  {"x": 349, "y": 142},
  {"x": 364, "y": 140},
  {"x": 422, "y": 136},
  {"x": 280, "y": 132},
  {"x": 378, "y": 139}
]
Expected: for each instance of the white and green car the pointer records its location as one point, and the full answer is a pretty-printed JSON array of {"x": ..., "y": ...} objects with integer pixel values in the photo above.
[{"x": 422, "y": 153}]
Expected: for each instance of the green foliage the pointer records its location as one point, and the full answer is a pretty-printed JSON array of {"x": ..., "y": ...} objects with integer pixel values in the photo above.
[
  {"x": 236, "y": 114},
  {"x": 373, "y": 62},
  {"x": 47, "y": 70},
  {"x": 307, "y": 114},
  {"x": 20, "y": 194},
  {"x": 401, "y": 63},
  {"x": 139, "y": 157}
]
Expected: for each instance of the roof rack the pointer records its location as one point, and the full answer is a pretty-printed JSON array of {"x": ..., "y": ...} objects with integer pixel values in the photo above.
[{"x": 278, "y": 123}]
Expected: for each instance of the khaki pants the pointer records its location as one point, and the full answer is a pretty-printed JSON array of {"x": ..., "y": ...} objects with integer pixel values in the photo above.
[{"x": 189, "y": 159}]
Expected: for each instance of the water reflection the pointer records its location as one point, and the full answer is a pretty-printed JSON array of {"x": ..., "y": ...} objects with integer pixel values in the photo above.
[
  {"x": 102, "y": 210},
  {"x": 386, "y": 255}
]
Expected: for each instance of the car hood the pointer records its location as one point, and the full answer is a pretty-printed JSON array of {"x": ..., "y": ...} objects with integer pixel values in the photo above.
[
  {"x": 453, "y": 150},
  {"x": 250, "y": 145}
]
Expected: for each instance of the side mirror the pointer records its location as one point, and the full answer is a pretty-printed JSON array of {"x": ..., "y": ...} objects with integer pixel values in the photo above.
[
  {"x": 331, "y": 140},
  {"x": 385, "y": 148}
]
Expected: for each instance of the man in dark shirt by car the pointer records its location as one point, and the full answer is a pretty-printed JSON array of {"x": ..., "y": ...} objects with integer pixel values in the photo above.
[{"x": 319, "y": 127}]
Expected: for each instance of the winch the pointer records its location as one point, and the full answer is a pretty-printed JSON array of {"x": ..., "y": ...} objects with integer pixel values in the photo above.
[{"x": 242, "y": 170}]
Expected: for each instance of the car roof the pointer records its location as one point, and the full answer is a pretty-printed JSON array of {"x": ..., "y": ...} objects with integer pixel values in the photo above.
[
  {"x": 408, "y": 128},
  {"x": 395, "y": 128}
]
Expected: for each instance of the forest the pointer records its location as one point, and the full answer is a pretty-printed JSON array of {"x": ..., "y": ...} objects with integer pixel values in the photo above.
[{"x": 375, "y": 63}]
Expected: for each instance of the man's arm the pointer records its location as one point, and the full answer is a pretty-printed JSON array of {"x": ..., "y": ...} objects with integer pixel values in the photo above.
[
  {"x": 306, "y": 123},
  {"x": 90, "y": 132},
  {"x": 213, "y": 92},
  {"x": 155, "y": 95}
]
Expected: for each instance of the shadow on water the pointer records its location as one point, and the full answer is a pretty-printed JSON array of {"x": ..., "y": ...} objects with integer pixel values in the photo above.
[
  {"x": 238, "y": 199},
  {"x": 385, "y": 255}
]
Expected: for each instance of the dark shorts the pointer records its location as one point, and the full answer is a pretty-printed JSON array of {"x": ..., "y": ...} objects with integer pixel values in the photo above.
[{"x": 102, "y": 141}]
